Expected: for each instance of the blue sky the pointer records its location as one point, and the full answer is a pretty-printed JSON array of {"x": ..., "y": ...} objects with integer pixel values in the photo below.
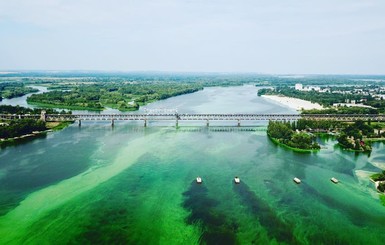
[{"x": 264, "y": 36}]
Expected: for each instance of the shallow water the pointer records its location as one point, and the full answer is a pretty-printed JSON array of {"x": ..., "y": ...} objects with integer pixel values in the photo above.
[{"x": 133, "y": 185}]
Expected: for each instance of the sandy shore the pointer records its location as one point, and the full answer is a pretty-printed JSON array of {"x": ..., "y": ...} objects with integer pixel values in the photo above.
[{"x": 294, "y": 103}]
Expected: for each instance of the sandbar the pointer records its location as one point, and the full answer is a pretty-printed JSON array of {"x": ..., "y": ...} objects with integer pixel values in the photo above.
[{"x": 294, "y": 103}]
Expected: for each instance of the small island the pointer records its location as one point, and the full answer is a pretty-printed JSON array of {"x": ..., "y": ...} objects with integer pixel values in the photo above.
[
  {"x": 353, "y": 136},
  {"x": 300, "y": 135},
  {"x": 285, "y": 134},
  {"x": 124, "y": 96}
]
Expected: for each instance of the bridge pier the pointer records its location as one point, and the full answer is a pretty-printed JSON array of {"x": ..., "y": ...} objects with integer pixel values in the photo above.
[
  {"x": 207, "y": 123},
  {"x": 80, "y": 123},
  {"x": 239, "y": 122},
  {"x": 112, "y": 122},
  {"x": 145, "y": 123},
  {"x": 176, "y": 123}
]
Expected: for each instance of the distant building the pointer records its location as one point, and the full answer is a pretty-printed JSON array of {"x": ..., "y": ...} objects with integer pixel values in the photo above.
[
  {"x": 298, "y": 86},
  {"x": 315, "y": 88}
]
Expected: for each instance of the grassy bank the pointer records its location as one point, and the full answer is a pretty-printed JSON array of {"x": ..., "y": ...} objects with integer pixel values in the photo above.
[
  {"x": 58, "y": 125},
  {"x": 374, "y": 140}
]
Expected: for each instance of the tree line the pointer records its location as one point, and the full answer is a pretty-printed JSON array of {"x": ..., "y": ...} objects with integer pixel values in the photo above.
[
  {"x": 327, "y": 99},
  {"x": 352, "y": 136},
  {"x": 10, "y": 90},
  {"x": 9, "y": 109},
  {"x": 122, "y": 96},
  {"x": 20, "y": 127},
  {"x": 283, "y": 132}
]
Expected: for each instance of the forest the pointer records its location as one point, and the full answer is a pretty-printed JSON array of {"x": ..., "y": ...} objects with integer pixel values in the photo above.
[
  {"x": 122, "y": 96},
  {"x": 19, "y": 127},
  {"x": 342, "y": 110},
  {"x": 8, "y": 109},
  {"x": 15, "y": 128},
  {"x": 355, "y": 136},
  {"x": 11, "y": 90},
  {"x": 284, "y": 134},
  {"x": 316, "y": 125}
]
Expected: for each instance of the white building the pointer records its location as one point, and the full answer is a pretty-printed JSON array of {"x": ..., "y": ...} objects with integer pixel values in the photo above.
[{"x": 298, "y": 86}]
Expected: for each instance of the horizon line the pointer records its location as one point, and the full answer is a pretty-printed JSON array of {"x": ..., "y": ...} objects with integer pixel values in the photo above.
[{"x": 14, "y": 71}]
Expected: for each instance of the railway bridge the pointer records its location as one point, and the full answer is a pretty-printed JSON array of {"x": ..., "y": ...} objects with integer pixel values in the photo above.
[{"x": 177, "y": 117}]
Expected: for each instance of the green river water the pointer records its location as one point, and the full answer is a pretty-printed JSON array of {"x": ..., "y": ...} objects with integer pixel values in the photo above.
[{"x": 127, "y": 184}]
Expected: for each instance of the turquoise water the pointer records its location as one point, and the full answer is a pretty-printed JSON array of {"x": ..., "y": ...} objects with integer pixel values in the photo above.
[{"x": 133, "y": 185}]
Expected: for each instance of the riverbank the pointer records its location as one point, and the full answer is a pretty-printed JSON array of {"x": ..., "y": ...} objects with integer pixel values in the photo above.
[
  {"x": 51, "y": 126},
  {"x": 55, "y": 126},
  {"x": 65, "y": 107},
  {"x": 294, "y": 103}
]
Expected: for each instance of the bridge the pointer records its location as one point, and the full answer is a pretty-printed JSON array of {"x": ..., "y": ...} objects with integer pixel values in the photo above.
[{"x": 177, "y": 117}]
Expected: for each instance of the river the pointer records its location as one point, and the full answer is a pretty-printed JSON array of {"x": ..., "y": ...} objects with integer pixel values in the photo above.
[{"x": 127, "y": 184}]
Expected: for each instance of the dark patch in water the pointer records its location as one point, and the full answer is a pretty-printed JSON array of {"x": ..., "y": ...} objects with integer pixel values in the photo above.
[
  {"x": 275, "y": 228},
  {"x": 215, "y": 226},
  {"x": 108, "y": 226},
  {"x": 353, "y": 213}
]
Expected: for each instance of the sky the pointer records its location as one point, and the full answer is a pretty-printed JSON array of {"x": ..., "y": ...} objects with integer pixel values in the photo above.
[{"x": 261, "y": 36}]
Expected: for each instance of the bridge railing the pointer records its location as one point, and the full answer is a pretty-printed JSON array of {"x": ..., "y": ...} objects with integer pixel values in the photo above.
[{"x": 198, "y": 117}]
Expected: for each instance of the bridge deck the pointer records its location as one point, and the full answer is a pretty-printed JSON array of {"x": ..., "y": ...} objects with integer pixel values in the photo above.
[{"x": 198, "y": 117}]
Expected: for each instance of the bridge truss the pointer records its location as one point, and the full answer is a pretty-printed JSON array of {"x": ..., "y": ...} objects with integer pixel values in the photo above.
[{"x": 145, "y": 117}]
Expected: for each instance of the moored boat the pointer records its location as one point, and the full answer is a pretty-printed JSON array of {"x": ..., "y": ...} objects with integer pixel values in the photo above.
[
  {"x": 237, "y": 180},
  {"x": 334, "y": 180},
  {"x": 296, "y": 180},
  {"x": 199, "y": 180}
]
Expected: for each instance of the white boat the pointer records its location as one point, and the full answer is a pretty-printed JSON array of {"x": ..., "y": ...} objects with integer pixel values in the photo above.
[
  {"x": 237, "y": 180},
  {"x": 199, "y": 180},
  {"x": 334, "y": 180},
  {"x": 296, "y": 180}
]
